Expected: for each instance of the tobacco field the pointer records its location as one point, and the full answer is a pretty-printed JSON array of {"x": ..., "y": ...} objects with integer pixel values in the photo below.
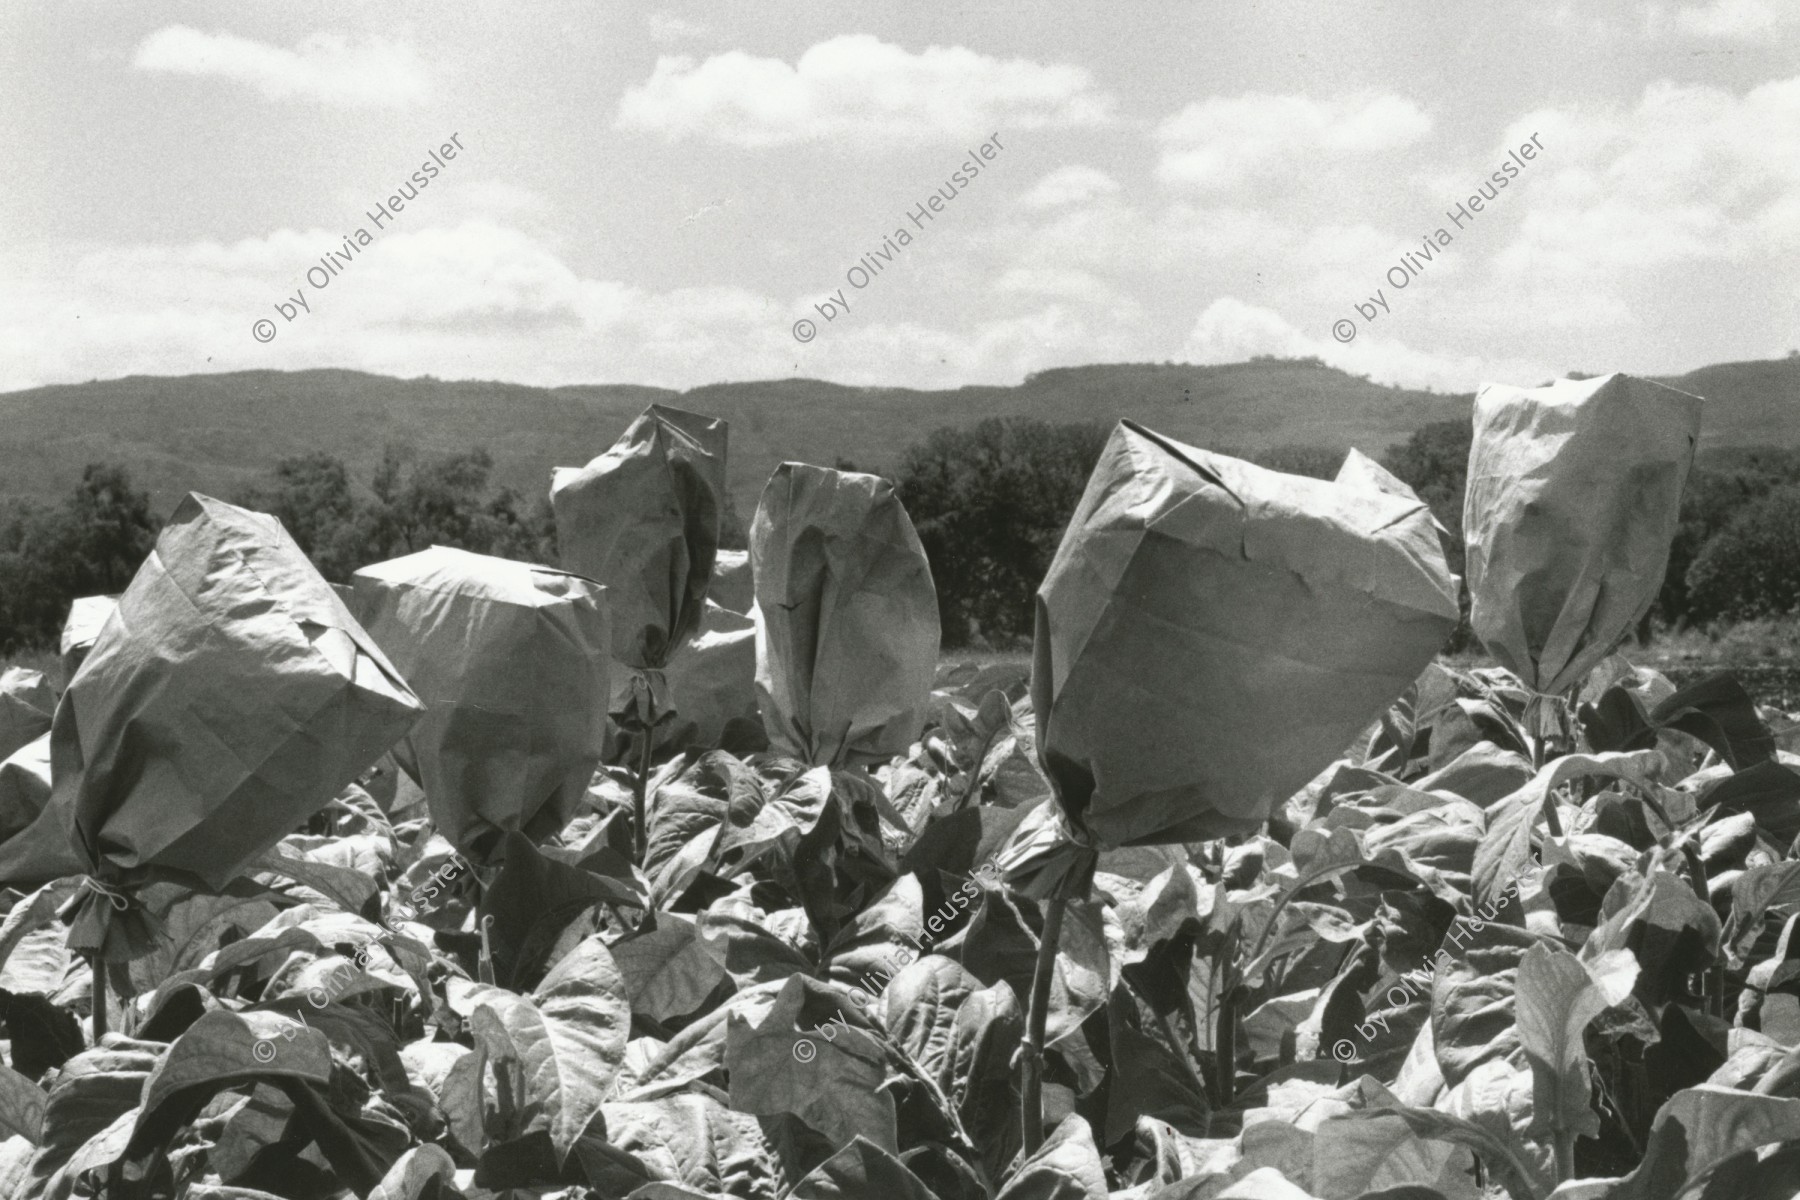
[{"x": 669, "y": 873}]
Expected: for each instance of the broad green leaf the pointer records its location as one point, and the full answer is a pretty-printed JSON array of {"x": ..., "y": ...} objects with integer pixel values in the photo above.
[
  {"x": 34, "y": 912},
  {"x": 1505, "y": 849},
  {"x": 803, "y": 1059},
  {"x": 920, "y": 1007},
  {"x": 533, "y": 898},
  {"x": 877, "y": 942},
  {"x": 1264, "y": 1183},
  {"x": 1658, "y": 917},
  {"x": 1353, "y": 1156},
  {"x": 1509, "y": 1168},
  {"x": 1066, "y": 1167},
  {"x": 21, "y": 1106},
  {"x": 861, "y": 1171},
  {"x": 1696, "y": 1131},
  {"x": 668, "y": 968},
  {"x": 94, "y": 1089},
  {"x": 224, "y": 1049},
  {"x": 697, "y": 1142},
  {"x": 1556, "y": 998},
  {"x": 414, "y": 1172},
  {"x": 349, "y": 889},
  {"x": 567, "y": 1037}
]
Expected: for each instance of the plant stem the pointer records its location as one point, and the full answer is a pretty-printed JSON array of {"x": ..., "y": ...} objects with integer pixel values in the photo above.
[
  {"x": 1031, "y": 1088},
  {"x": 99, "y": 963},
  {"x": 1565, "y": 1156},
  {"x": 640, "y": 831}
]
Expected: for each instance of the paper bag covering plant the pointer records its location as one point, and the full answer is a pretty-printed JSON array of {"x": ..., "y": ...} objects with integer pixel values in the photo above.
[
  {"x": 1574, "y": 491},
  {"x": 87, "y": 617},
  {"x": 643, "y": 519},
  {"x": 1211, "y": 634},
  {"x": 711, "y": 688},
  {"x": 26, "y": 704},
  {"x": 229, "y": 698},
  {"x": 846, "y": 617},
  {"x": 511, "y": 661}
]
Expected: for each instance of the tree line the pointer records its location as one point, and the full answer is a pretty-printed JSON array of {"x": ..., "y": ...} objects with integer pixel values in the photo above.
[
  {"x": 92, "y": 542},
  {"x": 990, "y": 502}
]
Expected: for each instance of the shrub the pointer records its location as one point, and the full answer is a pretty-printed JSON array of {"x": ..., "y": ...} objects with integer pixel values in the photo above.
[{"x": 1751, "y": 568}]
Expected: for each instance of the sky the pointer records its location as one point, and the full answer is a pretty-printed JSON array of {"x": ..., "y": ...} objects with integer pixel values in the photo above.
[{"x": 682, "y": 194}]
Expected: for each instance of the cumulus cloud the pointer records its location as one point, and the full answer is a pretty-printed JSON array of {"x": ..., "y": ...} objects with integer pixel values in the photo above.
[
  {"x": 1222, "y": 143},
  {"x": 1724, "y": 20},
  {"x": 1073, "y": 184},
  {"x": 328, "y": 68},
  {"x": 857, "y": 86},
  {"x": 479, "y": 298},
  {"x": 671, "y": 27},
  {"x": 1230, "y": 330},
  {"x": 1690, "y": 174}
]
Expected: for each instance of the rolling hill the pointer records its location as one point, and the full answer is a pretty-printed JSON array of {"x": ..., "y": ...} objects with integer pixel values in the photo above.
[{"x": 216, "y": 433}]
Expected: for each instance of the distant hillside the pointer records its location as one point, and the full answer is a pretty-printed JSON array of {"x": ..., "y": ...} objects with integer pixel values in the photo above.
[{"x": 215, "y": 433}]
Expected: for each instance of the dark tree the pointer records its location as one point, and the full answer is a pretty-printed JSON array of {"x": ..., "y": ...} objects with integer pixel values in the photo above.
[
  {"x": 1751, "y": 568},
  {"x": 990, "y": 503},
  {"x": 90, "y": 544}
]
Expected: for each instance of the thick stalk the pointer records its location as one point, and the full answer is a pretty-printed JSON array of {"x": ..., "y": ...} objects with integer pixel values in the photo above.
[
  {"x": 640, "y": 804},
  {"x": 1031, "y": 1088},
  {"x": 99, "y": 997},
  {"x": 1225, "y": 1046},
  {"x": 1565, "y": 1156}
]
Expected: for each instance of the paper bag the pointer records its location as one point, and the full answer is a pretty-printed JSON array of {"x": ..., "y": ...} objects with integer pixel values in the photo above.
[
  {"x": 511, "y": 662},
  {"x": 731, "y": 588},
  {"x": 87, "y": 615},
  {"x": 1212, "y": 634},
  {"x": 26, "y": 705},
  {"x": 1574, "y": 494},
  {"x": 229, "y": 698},
  {"x": 846, "y": 617},
  {"x": 643, "y": 519},
  {"x": 30, "y": 847},
  {"x": 711, "y": 685}
]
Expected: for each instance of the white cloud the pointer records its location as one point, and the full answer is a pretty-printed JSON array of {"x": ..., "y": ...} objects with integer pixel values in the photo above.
[
  {"x": 1072, "y": 184},
  {"x": 670, "y": 27},
  {"x": 857, "y": 86},
  {"x": 1222, "y": 143},
  {"x": 1690, "y": 175},
  {"x": 478, "y": 298},
  {"x": 1725, "y": 20},
  {"x": 325, "y": 67},
  {"x": 1230, "y": 330}
]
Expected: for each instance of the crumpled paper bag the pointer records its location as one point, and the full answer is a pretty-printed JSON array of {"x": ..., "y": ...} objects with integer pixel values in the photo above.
[
  {"x": 229, "y": 698},
  {"x": 87, "y": 616},
  {"x": 24, "y": 794},
  {"x": 511, "y": 661},
  {"x": 26, "y": 705},
  {"x": 846, "y": 617},
  {"x": 1212, "y": 634},
  {"x": 731, "y": 588},
  {"x": 1573, "y": 498},
  {"x": 711, "y": 686},
  {"x": 643, "y": 519}
]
